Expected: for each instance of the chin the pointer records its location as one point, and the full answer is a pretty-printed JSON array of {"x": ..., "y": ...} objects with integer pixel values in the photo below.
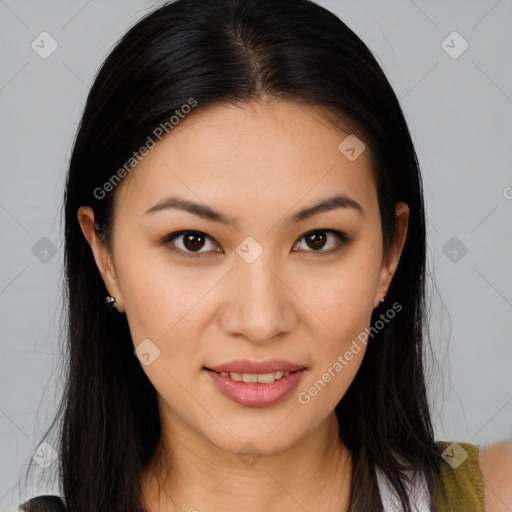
[{"x": 255, "y": 438}]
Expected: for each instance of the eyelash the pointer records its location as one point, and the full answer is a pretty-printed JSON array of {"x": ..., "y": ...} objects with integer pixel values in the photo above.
[{"x": 343, "y": 240}]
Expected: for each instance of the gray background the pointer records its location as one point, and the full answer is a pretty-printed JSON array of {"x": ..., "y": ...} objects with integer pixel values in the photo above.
[{"x": 459, "y": 111}]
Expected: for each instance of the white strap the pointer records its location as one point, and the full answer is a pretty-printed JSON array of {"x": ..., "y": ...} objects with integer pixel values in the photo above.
[{"x": 418, "y": 494}]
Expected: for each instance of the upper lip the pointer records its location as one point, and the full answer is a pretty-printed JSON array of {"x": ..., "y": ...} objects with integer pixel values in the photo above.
[{"x": 247, "y": 366}]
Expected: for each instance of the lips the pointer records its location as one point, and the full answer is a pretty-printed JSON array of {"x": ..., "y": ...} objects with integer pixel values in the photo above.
[
  {"x": 247, "y": 366},
  {"x": 250, "y": 394},
  {"x": 236, "y": 380}
]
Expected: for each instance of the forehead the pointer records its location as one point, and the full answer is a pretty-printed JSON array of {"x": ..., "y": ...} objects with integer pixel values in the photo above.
[{"x": 276, "y": 151}]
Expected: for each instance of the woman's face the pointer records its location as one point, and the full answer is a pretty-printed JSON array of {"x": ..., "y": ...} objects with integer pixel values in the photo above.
[{"x": 256, "y": 287}]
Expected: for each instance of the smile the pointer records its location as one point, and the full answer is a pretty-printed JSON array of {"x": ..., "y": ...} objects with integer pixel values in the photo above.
[{"x": 256, "y": 390}]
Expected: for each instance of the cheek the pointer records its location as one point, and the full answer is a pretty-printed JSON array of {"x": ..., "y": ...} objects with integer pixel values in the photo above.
[
  {"x": 341, "y": 303},
  {"x": 342, "y": 296},
  {"x": 161, "y": 305},
  {"x": 156, "y": 293}
]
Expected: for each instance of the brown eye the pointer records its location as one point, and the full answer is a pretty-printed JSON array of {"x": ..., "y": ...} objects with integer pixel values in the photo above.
[
  {"x": 318, "y": 239},
  {"x": 189, "y": 242},
  {"x": 193, "y": 241}
]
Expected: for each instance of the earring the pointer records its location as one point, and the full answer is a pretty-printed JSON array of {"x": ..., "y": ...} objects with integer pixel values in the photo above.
[
  {"x": 112, "y": 301},
  {"x": 382, "y": 300}
]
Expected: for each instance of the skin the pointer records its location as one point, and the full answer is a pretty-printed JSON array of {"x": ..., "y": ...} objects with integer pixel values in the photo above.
[
  {"x": 259, "y": 163},
  {"x": 496, "y": 466}
]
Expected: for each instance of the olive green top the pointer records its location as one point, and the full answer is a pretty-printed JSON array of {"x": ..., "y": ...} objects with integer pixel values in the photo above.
[{"x": 460, "y": 488}]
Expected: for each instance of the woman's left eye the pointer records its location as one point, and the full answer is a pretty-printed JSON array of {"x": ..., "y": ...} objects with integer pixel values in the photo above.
[
  {"x": 317, "y": 240},
  {"x": 192, "y": 241}
]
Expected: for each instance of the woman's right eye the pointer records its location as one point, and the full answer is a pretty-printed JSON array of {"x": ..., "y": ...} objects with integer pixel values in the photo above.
[{"x": 191, "y": 242}]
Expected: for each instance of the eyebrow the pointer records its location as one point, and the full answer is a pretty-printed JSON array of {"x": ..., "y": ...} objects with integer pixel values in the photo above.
[{"x": 205, "y": 212}]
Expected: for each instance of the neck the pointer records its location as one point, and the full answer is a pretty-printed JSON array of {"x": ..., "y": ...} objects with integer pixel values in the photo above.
[{"x": 189, "y": 473}]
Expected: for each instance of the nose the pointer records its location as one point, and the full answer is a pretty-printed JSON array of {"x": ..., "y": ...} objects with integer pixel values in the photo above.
[{"x": 258, "y": 305}]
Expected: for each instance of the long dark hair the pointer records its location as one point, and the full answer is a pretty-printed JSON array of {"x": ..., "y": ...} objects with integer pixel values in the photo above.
[{"x": 236, "y": 51}]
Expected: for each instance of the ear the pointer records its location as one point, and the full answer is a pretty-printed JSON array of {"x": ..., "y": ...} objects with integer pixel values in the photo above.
[
  {"x": 391, "y": 259},
  {"x": 101, "y": 254}
]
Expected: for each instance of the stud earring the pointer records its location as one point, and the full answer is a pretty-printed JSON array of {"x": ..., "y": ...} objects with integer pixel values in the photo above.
[
  {"x": 111, "y": 301},
  {"x": 382, "y": 300}
]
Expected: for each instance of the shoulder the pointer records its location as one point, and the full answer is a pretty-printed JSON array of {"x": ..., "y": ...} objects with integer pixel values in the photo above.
[
  {"x": 496, "y": 466},
  {"x": 459, "y": 485}
]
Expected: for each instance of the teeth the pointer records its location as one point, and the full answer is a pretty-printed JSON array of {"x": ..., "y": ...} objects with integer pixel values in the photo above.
[
  {"x": 250, "y": 377},
  {"x": 263, "y": 378}
]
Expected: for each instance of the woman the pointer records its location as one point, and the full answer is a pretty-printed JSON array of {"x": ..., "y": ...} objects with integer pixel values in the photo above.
[{"x": 245, "y": 197}]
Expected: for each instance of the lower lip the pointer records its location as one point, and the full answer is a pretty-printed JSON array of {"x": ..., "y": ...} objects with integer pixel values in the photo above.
[{"x": 252, "y": 394}]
